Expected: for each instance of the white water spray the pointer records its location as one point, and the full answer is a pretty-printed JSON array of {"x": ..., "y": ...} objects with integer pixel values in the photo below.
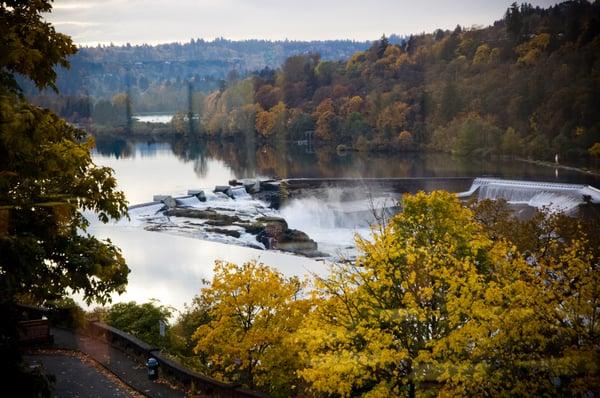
[
  {"x": 553, "y": 196},
  {"x": 334, "y": 222}
]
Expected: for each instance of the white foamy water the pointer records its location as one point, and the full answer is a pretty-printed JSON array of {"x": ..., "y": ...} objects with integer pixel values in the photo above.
[
  {"x": 190, "y": 201},
  {"x": 151, "y": 217},
  {"x": 333, "y": 223},
  {"x": 240, "y": 193},
  {"x": 552, "y": 196}
]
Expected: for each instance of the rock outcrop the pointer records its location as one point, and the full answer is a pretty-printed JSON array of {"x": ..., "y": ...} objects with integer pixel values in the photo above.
[
  {"x": 277, "y": 235},
  {"x": 167, "y": 200},
  {"x": 298, "y": 242},
  {"x": 198, "y": 193},
  {"x": 273, "y": 232},
  {"x": 208, "y": 214},
  {"x": 226, "y": 189},
  {"x": 229, "y": 216}
]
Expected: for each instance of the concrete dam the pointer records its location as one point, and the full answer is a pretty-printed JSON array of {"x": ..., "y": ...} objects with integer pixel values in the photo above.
[{"x": 318, "y": 217}]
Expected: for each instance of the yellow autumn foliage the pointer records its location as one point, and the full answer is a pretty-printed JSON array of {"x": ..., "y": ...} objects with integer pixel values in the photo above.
[
  {"x": 434, "y": 307},
  {"x": 254, "y": 310}
]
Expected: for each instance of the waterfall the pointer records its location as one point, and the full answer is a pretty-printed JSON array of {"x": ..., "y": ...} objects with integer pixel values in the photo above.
[
  {"x": 333, "y": 222},
  {"x": 189, "y": 201},
  {"x": 553, "y": 196},
  {"x": 240, "y": 193},
  {"x": 312, "y": 212}
]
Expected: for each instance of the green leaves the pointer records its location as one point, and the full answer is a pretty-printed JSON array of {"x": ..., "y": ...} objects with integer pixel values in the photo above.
[
  {"x": 140, "y": 320},
  {"x": 47, "y": 178},
  {"x": 30, "y": 46}
]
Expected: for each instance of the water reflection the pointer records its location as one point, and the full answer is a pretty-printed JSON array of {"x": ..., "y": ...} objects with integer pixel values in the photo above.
[
  {"x": 170, "y": 268},
  {"x": 149, "y": 168},
  {"x": 235, "y": 159}
]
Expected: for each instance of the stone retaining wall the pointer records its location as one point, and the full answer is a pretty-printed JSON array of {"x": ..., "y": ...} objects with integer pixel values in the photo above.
[
  {"x": 169, "y": 369},
  {"x": 141, "y": 351}
]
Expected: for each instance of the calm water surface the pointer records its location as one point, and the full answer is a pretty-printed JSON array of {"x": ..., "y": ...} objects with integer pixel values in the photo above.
[{"x": 171, "y": 268}]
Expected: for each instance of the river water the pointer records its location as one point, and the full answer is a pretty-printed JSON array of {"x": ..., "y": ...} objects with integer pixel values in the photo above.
[
  {"x": 171, "y": 268},
  {"x": 163, "y": 118}
]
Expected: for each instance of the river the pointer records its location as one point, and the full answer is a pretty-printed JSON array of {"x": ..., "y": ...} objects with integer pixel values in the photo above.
[{"x": 171, "y": 268}]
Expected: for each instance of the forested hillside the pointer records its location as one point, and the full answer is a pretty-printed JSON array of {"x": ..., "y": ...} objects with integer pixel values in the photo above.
[
  {"x": 157, "y": 76},
  {"x": 528, "y": 85}
]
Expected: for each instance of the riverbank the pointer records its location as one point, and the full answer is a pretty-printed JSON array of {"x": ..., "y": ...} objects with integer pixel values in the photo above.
[
  {"x": 139, "y": 130},
  {"x": 595, "y": 173}
]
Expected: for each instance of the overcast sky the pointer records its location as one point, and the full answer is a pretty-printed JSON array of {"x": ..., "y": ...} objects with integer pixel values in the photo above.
[{"x": 159, "y": 21}]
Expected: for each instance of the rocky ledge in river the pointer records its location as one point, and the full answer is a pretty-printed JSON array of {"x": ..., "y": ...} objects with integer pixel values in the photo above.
[{"x": 273, "y": 232}]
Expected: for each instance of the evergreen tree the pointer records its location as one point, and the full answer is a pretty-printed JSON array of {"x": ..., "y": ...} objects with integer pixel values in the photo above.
[
  {"x": 382, "y": 46},
  {"x": 514, "y": 22}
]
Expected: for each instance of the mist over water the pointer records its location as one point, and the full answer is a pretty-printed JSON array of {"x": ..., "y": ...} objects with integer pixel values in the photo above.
[
  {"x": 324, "y": 225},
  {"x": 337, "y": 216}
]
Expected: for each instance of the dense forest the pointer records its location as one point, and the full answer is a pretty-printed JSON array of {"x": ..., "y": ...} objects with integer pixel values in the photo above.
[
  {"x": 526, "y": 86},
  {"x": 157, "y": 76}
]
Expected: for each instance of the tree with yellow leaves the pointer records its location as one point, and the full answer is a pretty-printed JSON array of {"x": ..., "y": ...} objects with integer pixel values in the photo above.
[
  {"x": 530, "y": 51},
  {"x": 373, "y": 330},
  {"x": 435, "y": 306},
  {"x": 272, "y": 123},
  {"x": 594, "y": 150},
  {"x": 253, "y": 310},
  {"x": 534, "y": 332},
  {"x": 538, "y": 333}
]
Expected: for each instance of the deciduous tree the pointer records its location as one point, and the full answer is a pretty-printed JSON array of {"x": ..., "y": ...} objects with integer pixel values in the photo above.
[
  {"x": 436, "y": 305},
  {"x": 373, "y": 330},
  {"x": 47, "y": 178},
  {"x": 254, "y": 311},
  {"x": 141, "y": 320}
]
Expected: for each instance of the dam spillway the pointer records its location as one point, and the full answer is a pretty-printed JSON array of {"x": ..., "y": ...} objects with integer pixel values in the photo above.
[
  {"x": 397, "y": 185},
  {"x": 563, "y": 197},
  {"x": 556, "y": 197},
  {"x": 319, "y": 217}
]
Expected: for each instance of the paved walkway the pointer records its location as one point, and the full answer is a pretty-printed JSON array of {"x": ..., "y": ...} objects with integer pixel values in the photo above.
[
  {"x": 130, "y": 371},
  {"x": 76, "y": 377}
]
